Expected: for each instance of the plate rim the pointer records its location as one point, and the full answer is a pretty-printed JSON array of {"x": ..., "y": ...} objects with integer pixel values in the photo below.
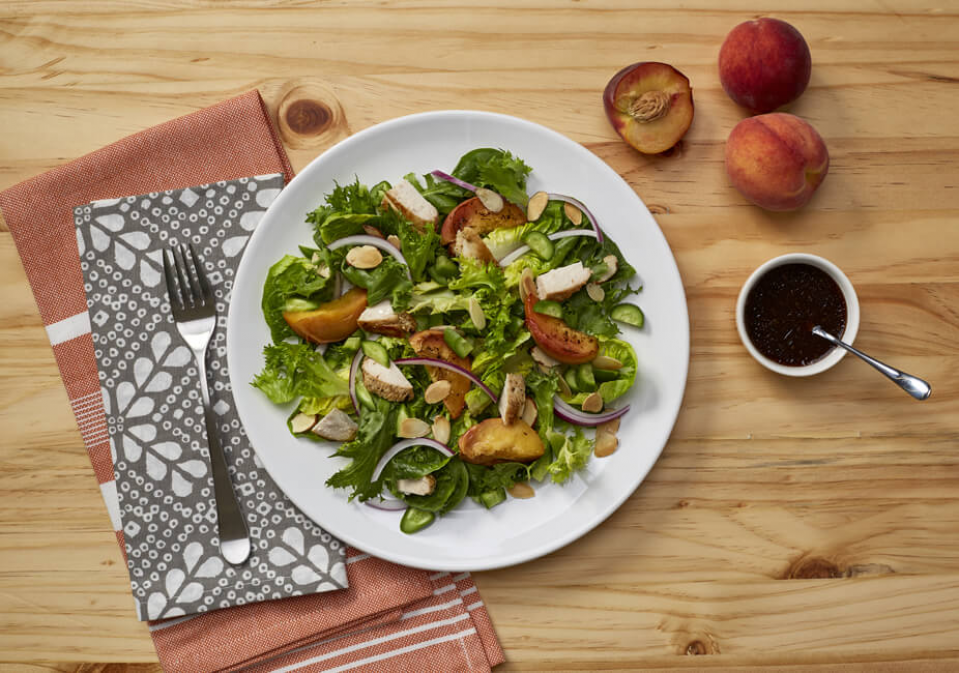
[{"x": 501, "y": 561}]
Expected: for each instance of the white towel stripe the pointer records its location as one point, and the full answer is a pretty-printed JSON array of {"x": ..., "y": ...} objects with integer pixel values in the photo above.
[
  {"x": 436, "y": 576},
  {"x": 460, "y": 577},
  {"x": 467, "y": 592},
  {"x": 404, "y": 650},
  {"x": 87, "y": 412},
  {"x": 89, "y": 398},
  {"x": 109, "y": 492},
  {"x": 354, "y": 559},
  {"x": 378, "y": 641},
  {"x": 473, "y": 606},
  {"x": 443, "y": 590},
  {"x": 432, "y": 608},
  {"x": 69, "y": 328}
]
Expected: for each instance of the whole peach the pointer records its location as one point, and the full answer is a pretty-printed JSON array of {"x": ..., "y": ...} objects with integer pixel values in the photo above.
[
  {"x": 776, "y": 160},
  {"x": 764, "y": 64}
]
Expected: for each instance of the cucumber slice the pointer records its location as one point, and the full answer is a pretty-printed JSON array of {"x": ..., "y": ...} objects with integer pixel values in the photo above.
[
  {"x": 539, "y": 243},
  {"x": 371, "y": 349},
  {"x": 364, "y": 397},
  {"x": 584, "y": 374},
  {"x": 572, "y": 380},
  {"x": 415, "y": 520},
  {"x": 628, "y": 313},
  {"x": 547, "y": 307},
  {"x": 604, "y": 375},
  {"x": 455, "y": 340}
]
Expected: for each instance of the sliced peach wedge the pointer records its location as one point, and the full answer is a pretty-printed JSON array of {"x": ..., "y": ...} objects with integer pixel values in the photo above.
[
  {"x": 333, "y": 321},
  {"x": 555, "y": 337},
  {"x": 473, "y": 214},
  {"x": 650, "y": 105}
]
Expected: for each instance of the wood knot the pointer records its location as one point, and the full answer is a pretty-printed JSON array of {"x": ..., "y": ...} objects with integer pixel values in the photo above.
[
  {"x": 658, "y": 209},
  {"x": 307, "y": 117},
  {"x": 310, "y": 116},
  {"x": 682, "y": 504},
  {"x": 696, "y": 648},
  {"x": 812, "y": 568}
]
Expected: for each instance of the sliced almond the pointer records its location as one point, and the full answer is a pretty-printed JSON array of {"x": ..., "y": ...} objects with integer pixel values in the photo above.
[
  {"x": 595, "y": 292},
  {"x": 529, "y": 412},
  {"x": 574, "y": 214},
  {"x": 302, "y": 423},
  {"x": 564, "y": 388},
  {"x": 526, "y": 283},
  {"x": 490, "y": 199},
  {"x": 441, "y": 429},
  {"x": 521, "y": 490},
  {"x": 476, "y": 313},
  {"x": 437, "y": 391},
  {"x": 605, "y": 445},
  {"x": 606, "y": 362},
  {"x": 393, "y": 240},
  {"x": 412, "y": 428},
  {"x": 593, "y": 403},
  {"x": 372, "y": 231},
  {"x": 606, "y": 441},
  {"x": 364, "y": 257},
  {"x": 536, "y": 205}
]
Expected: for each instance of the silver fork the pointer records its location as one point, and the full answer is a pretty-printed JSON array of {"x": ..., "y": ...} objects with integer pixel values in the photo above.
[{"x": 194, "y": 311}]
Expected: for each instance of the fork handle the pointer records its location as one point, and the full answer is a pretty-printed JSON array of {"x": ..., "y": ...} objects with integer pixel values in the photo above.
[{"x": 234, "y": 536}]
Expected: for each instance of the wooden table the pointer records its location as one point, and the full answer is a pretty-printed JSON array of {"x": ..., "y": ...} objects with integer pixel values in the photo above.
[{"x": 788, "y": 522}]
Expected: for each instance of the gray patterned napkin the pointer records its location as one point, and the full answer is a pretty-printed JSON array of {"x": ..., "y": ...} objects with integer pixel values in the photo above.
[{"x": 152, "y": 397}]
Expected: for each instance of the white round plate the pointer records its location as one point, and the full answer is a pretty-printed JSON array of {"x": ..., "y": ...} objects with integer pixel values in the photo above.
[{"x": 470, "y": 537}]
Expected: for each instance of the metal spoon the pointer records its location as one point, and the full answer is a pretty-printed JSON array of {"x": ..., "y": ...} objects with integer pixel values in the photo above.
[{"x": 913, "y": 385}]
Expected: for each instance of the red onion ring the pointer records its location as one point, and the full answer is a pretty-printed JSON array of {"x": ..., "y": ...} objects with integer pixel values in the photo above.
[
  {"x": 573, "y": 415},
  {"x": 579, "y": 204},
  {"x": 523, "y": 249},
  {"x": 456, "y": 181},
  {"x": 443, "y": 364},
  {"x": 387, "y": 505},
  {"x": 354, "y": 367},
  {"x": 405, "y": 444}
]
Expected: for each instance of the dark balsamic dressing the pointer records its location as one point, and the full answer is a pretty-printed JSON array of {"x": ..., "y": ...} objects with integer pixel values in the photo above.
[{"x": 783, "y": 307}]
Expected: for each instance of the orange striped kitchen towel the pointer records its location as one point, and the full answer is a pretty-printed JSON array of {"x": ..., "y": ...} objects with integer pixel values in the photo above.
[{"x": 391, "y": 618}]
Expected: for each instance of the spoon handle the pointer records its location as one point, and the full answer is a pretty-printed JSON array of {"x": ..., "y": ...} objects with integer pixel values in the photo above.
[{"x": 913, "y": 385}]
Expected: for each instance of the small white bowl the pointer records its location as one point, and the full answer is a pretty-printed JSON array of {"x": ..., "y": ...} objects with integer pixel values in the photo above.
[{"x": 852, "y": 314}]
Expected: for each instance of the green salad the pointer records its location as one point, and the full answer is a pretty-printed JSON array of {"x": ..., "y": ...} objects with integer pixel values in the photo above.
[{"x": 454, "y": 334}]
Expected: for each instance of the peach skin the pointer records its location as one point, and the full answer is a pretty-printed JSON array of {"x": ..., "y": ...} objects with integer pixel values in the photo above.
[{"x": 776, "y": 160}]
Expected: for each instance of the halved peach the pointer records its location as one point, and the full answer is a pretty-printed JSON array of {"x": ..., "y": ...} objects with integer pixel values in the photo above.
[
  {"x": 650, "y": 105},
  {"x": 431, "y": 344},
  {"x": 556, "y": 338},
  {"x": 492, "y": 441},
  {"x": 473, "y": 214},
  {"x": 332, "y": 321}
]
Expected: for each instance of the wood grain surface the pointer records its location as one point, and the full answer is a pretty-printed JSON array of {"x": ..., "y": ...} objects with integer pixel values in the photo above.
[{"x": 793, "y": 524}]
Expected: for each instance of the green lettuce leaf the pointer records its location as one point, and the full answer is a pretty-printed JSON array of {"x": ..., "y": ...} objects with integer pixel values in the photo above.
[
  {"x": 445, "y": 196},
  {"x": 296, "y": 370},
  {"x": 374, "y": 436},
  {"x": 324, "y": 405},
  {"x": 611, "y": 390},
  {"x": 497, "y": 170},
  {"x": 294, "y": 283},
  {"x": 572, "y": 454},
  {"x": 387, "y": 281},
  {"x": 487, "y": 485}
]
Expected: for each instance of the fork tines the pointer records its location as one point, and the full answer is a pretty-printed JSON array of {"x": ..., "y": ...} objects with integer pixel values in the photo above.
[{"x": 186, "y": 281}]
